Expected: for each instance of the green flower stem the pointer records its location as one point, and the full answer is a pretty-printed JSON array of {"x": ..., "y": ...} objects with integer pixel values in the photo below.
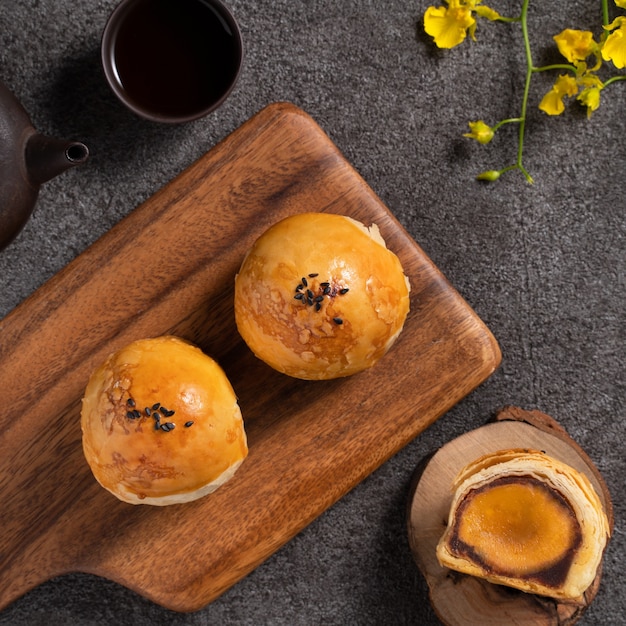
[
  {"x": 530, "y": 70},
  {"x": 614, "y": 79},
  {"x": 509, "y": 168},
  {"x": 605, "y": 13},
  {"x": 511, "y": 120},
  {"x": 556, "y": 66},
  {"x": 521, "y": 120},
  {"x": 529, "y": 73}
]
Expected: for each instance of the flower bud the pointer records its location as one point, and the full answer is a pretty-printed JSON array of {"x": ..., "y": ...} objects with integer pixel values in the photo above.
[{"x": 489, "y": 175}]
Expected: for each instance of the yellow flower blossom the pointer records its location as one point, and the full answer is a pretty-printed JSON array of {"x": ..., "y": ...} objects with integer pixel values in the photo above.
[
  {"x": 486, "y": 12},
  {"x": 614, "y": 48},
  {"x": 588, "y": 80},
  {"x": 449, "y": 26},
  {"x": 590, "y": 94},
  {"x": 575, "y": 45},
  {"x": 552, "y": 102},
  {"x": 590, "y": 98},
  {"x": 621, "y": 4},
  {"x": 481, "y": 132}
]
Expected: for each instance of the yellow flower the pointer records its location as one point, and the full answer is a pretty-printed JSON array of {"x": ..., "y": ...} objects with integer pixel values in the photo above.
[
  {"x": 614, "y": 48},
  {"x": 480, "y": 131},
  {"x": 449, "y": 26},
  {"x": 575, "y": 45},
  {"x": 590, "y": 94},
  {"x": 588, "y": 80},
  {"x": 552, "y": 102},
  {"x": 488, "y": 13},
  {"x": 590, "y": 98},
  {"x": 621, "y": 4}
]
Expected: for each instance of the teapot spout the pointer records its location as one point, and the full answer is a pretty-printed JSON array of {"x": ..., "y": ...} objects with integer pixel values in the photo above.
[{"x": 47, "y": 157}]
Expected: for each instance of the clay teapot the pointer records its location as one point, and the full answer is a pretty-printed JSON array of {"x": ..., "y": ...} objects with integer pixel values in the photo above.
[{"x": 27, "y": 160}]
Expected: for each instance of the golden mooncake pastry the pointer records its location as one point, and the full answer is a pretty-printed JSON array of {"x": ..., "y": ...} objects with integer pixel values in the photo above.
[
  {"x": 523, "y": 519},
  {"x": 320, "y": 296},
  {"x": 161, "y": 424}
]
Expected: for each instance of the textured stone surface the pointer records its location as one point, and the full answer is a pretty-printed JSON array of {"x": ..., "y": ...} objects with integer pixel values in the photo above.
[{"x": 543, "y": 264}]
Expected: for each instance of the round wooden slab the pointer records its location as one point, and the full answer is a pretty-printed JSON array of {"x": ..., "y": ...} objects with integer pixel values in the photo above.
[{"x": 463, "y": 600}]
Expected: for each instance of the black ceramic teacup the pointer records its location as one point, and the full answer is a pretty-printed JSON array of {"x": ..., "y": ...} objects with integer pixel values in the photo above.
[{"x": 172, "y": 60}]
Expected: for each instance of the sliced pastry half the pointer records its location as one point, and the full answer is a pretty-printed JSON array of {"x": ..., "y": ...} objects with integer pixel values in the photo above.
[{"x": 523, "y": 519}]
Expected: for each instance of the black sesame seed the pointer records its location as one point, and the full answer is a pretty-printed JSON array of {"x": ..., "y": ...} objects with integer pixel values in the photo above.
[
  {"x": 304, "y": 281},
  {"x": 147, "y": 411},
  {"x": 130, "y": 415},
  {"x": 155, "y": 407},
  {"x": 318, "y": 298},
  {"x": 318, "y": 306},
  {"x": 309, "y": 301},
  {"x": 188, "y": 424},
  {"x": 309, "y": 293},
  {"x": 165, "y": 427},
  {"x": 326, "y": 290},
  {"x": 313, "y": 275},
  {"x": 157, "y": 425},
  {"x": 136, "y": 414},
  {"x": 337, "y": 320},
  {"x": 344, "y": 291},
  {"x": 130, "y": 402},
  {"x": 299, "y": 296},
  {"x": 324, "y": 284},
  {"x": 300, "y": 287}
]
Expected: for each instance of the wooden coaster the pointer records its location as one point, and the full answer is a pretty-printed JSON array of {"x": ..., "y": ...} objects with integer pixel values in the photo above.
[{"x": 461, "y": 600}]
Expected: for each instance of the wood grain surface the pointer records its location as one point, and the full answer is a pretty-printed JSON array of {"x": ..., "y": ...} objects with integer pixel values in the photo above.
[
  {"x": 461, "y": 600},
  {"x": 169, "y": 267}
]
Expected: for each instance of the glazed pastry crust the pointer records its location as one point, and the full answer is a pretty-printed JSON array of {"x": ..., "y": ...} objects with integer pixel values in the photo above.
[
  {"x": 320, "y": 296},
  {"x": 576, "y": 522},
  {"x": 138, "y": 460}
]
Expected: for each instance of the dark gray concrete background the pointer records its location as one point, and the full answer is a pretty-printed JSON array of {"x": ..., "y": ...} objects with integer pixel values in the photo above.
[{"x": 543, "y": 264}]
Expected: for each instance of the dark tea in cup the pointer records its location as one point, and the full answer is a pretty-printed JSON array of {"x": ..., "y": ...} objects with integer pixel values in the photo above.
[{"x": 171, "y": 60}]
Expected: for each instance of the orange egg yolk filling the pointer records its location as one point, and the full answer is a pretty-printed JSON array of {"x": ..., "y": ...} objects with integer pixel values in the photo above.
[{"x": 517, "y": 527}]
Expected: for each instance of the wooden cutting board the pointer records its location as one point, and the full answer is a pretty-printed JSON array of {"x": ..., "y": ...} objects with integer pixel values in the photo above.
[{"x": 169, "y": 268}]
